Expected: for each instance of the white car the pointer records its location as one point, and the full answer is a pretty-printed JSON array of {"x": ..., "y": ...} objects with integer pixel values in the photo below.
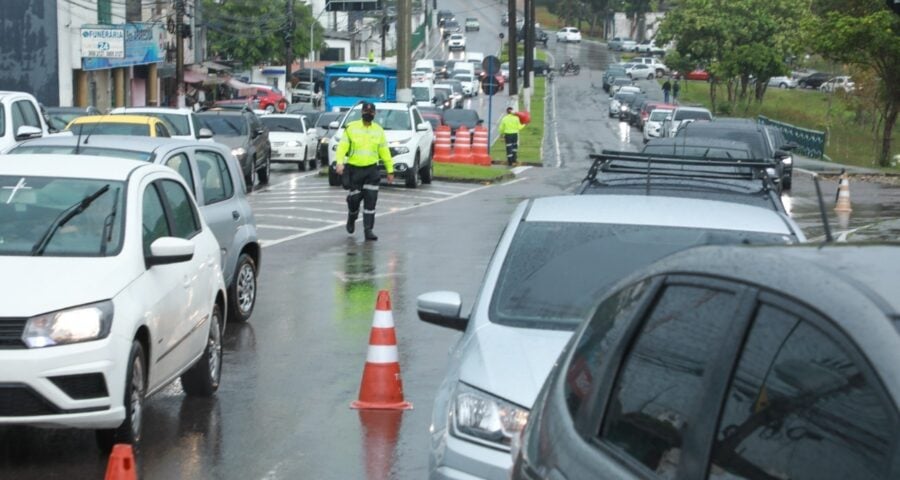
[
  {"x": 842, "y": 83},
  {"x": 469, "y": 82},
  {"x": 783, "y": 82},
  {"x": 658, "y": 67},
  {"x": 629, "y": 46},
  {"x": 650, "y": 47},
  {"x": 422, "y": 74},
  {"x": 20, "y": 119},
  {"x": 684, "y": 115},
  {"x": 640, "y": 71},
  {"x": 182, "y": 122},
  {"x": 138, "y": 297},
  {"x": 654, "y": 124},
  {"x": 423, "y": 93},
  {"x": 457, "y": 41},
  {"x": 568, "y": 34},
  {"x": 292, "y": 140},
  {"x": 410, "y": 138}
]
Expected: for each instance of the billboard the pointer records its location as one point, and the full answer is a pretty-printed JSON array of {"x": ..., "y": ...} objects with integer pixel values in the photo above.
[
  {"x": 103, "y": 42},
  {"x": 144, "y": 43}
]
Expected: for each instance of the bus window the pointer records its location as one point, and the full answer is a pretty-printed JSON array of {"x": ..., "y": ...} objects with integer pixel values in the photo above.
[{"x": 357, "y": 87}]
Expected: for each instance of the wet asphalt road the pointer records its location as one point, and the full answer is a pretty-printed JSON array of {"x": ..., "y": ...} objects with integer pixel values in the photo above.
[{"x": 291, "y": 372}]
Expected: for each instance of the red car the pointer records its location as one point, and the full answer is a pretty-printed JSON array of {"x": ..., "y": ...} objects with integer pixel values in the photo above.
[
  {"x": 649, "y": 107},
  {"x": 263, "y": 97},
  {"x": 695, "y": 74}
]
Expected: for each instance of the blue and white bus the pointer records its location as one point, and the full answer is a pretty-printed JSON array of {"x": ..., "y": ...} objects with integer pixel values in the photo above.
[{"x": 347, "y": 84}]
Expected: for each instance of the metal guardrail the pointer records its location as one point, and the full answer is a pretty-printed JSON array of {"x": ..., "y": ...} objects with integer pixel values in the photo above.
[{"x": 811, "y": 142}]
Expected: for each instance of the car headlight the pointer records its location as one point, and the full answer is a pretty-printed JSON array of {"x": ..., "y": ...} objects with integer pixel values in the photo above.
[
  {"x": 293, "y": 144},
  {"x": 789, "y": 160},
  {"x": 624, "y": 107},
  {"x": 324, "y": 141},
  {"x": 486, "y": 417},
  {"x": 73, "y": 325},
  {"x": 399, "y": 150},
  {"x": 238, "y": 152}
]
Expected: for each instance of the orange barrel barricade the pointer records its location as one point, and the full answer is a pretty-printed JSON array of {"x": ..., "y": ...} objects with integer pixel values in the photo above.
[
  {"x": 462, "y": 147},
  {"x": 442, "y": 148},
  {"x": 480, "y": 155}
]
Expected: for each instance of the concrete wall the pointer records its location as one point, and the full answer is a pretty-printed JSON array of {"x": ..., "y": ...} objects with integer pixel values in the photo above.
[
  {"x": 623, "y": 26},
  {"x": 28, "y": 49}
]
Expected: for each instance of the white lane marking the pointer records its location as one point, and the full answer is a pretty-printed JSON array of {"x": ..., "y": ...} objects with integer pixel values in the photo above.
[
  {"x": 282, "y": 227},
  {"x": 308, "y": 209},
  {"x": 555, "y": 118},
  {"x": 266, "y": 244},
  {"x": 519, "y": 170},
  {"x": 291, "y": 180},
  {"x": 292, "y": 217},
  {"x": 803, "y": 170}
]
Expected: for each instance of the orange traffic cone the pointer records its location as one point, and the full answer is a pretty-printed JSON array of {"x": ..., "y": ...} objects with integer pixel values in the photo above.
[
  {"x": 480, "y": 155},
  {"x": 381, "y": 387},
  {"x": 462, "y": 147},
  {"x": 121, "y": 464},
  {"x": 442, "y": 147},
  {"x": 843, "y": 197}
]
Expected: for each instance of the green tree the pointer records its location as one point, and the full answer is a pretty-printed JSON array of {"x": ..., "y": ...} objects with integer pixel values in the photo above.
[
  {"x": 863, "y": 33},
  {"x": 253, "y": 31}
]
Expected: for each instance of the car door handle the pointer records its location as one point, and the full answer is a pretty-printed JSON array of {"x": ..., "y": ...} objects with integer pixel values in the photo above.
[{"x": 235, "y": 215}]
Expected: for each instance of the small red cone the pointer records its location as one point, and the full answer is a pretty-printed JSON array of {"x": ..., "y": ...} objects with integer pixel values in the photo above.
[
  {"x": 381, "y": 387},
  {"x": 121, "y": 464}
]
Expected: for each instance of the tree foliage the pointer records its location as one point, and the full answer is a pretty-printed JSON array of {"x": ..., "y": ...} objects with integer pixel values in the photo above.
[
  {"x": 254, "y": 31},
  {"x": 864, "y": 34},
  {"x": 736, "y": 40}
]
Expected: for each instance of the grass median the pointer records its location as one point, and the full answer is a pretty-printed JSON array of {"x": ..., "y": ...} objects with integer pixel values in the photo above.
[
  {"x": 532, "y": 137},
  {"x": 849, "y": 142},
  {"x": 455, "y": 172}
]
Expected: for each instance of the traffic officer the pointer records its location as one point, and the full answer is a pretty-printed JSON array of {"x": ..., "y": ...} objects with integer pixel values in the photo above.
[
  {"x": 365, "y": 142},
  {"x": 510, "y": 125}
]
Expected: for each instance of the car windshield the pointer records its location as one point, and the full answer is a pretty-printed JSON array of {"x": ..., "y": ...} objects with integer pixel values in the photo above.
[
  {"x": 326, "y": 118},
  {"x": 446, "y": 90},
  {"x": 178, "y": 124},
  {"x": 692, "y": 115},
  {"x": 282, "y": 124},
  {"x": 388, "y": 119},
  {"x": 367, "y": 87},
  {"x": 456, "y": 36},
  {"x": 623, "y": 96},
  {"x": 554, "y": 271},
  {"x": 421, "y": 94},
  {"x": 463, "y": 77},
  {"x": 57, "y": 121},
  {"x": 468, "y": 118},
  {"x": 697, "y": 151},
  {"x": 111, "y": 128},
  {"x": 225, "y": 125},
  {"x": 30, "y": 206},
  {"x": 660, "y": 115},
  {"x": 83, "y": 150}
]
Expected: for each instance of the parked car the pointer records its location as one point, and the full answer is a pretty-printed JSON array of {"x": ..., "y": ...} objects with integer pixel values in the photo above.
[
  {"x": 658, "y": 67},
  {"x": 653, "y": 126},
  {"x": 472, "y": 24},
  {"x": 616, "y": 43},
  {"x": 709, "y": 364},
  {"x": 134, "y": 125},
  {"x": 213, "y": 177},
  {"x": 639, "y": 70},
  {"x": 555, "y": 257},
  {"x": 612, "y": 71},
  {"x": 325, "y": 132},
  {"x": 292, "y": 140},
  {"x": 409, "y": 137},
  {"x": 20, "y": 119},
  {"x": 306, "y": 92},
  {"x": 647, "y": 108},
  {"x": 181, "y": 122},
  {"x": 695, "y": 74},
  {"x": 685, "y": 114},
  {"x": 263, "y": 97},
  {"x": 619, "y": 82},
  {"x": 843, "y": 83},
  {"x": 628, "y": 46},
  {"x": 115, "y": 241},
  {"x": 248, "y": 138},
  {"x": 650, "y": 47},
  {"x": 783, "y": 82},
  {"x": 814, "y": 80},
  {"x": 58, "y": 117},
  {"x": 568, "y": 34},
  {"x": 457, "y": 41}
]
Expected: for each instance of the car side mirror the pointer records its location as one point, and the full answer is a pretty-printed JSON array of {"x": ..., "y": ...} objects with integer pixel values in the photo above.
[
  {"x": 333, "y": 125},
  {"x": 423, "y": 127},
  {"x": 442, "y": 309},
  {"x": 168, "y": 250},
  {"x": 781, "y": 154},
  {"x": 790, "y": 146},
  {"x": 205, "y": 133},
  {"x": 27, "y": 132}
]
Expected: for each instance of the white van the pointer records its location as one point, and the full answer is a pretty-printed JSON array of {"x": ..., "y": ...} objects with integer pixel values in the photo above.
[
  {"x": 424, "y": 63},
  {"x": 423, "y": 93}
]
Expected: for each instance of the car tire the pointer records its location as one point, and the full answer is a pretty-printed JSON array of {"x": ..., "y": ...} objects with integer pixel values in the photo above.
[
  {"x": 334, "y": 179},
  {"x": 263, "y": 173},
  {"x": 786, "y": 183},
  {"x": 135, "y": 394},
  {"x": 202, "y": 379},
  {"x": 650, "y": 77},
  {"x": 250, "y": 178},
  {"x": 270, "y": 108},
  {"x": 427, "y": 173},
  {"x": 412, "y": 175},
  {"x": 243, "y": 290},
  {"x": 782, "y": 85},
  {"x": 660, "y": 72}
]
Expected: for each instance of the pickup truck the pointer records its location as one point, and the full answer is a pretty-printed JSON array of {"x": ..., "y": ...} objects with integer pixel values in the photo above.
[
  {"x": 20, "y": 119},
  {"x": 654, "y": 63}
]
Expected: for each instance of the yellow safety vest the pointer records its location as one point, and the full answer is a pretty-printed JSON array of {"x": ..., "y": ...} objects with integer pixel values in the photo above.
[
  {"x": 510, "y": 123},
  {"x": 365, "y": 146}
]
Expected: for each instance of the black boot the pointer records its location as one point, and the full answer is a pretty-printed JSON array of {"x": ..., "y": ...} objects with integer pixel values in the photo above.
[
  {"x": 370, "y": 235},
  {"x": 351, "y": 223}
]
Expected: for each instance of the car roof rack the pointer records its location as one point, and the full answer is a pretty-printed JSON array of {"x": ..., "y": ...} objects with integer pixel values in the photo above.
[{"x": 679, "y": 167}]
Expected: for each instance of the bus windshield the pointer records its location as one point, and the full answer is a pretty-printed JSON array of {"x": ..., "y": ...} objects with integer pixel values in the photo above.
[{"x": 368, "y": 87}]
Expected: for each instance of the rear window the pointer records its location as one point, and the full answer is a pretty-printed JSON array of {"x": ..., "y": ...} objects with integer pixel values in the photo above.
[
  {"x": 697, "y": 151},
  {"x": 178, "y": 124},
  {"x": 282, "y": 124},
  {"x": 692, "y": 115},
  {"x": 553, "y": 271},
  {"x": 659, "y": 115},
  {"x": 225, "y": 125},
  {"x": 84, "y": 150},
  {"x": 111, "y": 128}
]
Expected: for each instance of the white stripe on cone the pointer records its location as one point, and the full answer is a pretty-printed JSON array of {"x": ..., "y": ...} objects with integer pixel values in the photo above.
[
  {"x": 382, "y": 354},
  {"x": 383, "y": 319}
]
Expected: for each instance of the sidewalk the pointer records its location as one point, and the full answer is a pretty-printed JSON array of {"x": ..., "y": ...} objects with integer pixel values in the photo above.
[{"x": 831, "y": 168}]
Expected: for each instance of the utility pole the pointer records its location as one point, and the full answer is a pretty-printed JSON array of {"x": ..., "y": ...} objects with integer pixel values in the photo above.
[
  {"x": 384, "y": 29},
  {"x": 288, "y": 48},
  {"x": 404, "y": 38},
  {"x": 513, "y": 57},
  {"x": 179, "y": 52},
  {"x": 528, "y": 45}
]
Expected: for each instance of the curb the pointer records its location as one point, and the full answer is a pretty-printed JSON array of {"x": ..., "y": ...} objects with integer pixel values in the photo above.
[{"x": 504, "y": 178}]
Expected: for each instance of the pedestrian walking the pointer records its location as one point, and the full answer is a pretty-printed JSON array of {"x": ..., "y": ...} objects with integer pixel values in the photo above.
[
  {"x": 510, "y": 125},
  {"x": 666, "y": 88},
  {"x": 675, "y": 89},
  {"x": 365, "y": 142}
]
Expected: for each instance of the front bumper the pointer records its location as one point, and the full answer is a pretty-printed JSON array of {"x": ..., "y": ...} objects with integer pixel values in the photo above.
[
  {"x": 33, "y": 393},
  {"x": 454, "y": 458},
  {"x": 288, "y": 154}
]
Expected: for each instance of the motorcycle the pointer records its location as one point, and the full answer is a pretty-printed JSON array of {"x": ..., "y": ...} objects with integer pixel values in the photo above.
[{"x": 569, "y": 69}]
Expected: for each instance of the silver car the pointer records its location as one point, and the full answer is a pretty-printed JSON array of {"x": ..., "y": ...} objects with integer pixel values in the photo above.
[
  {"x": 215, "y": 178},
  {"x": 555, "y": 257}
]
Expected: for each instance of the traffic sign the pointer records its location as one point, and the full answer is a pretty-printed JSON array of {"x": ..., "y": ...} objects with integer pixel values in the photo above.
[
  {"x": 490, "y": 85},
  {"x": 491, "y": 64}
]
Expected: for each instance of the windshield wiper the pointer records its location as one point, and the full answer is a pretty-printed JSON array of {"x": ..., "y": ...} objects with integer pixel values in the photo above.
[
  {"x": 108, "y": 224},
  {"x": 65, "y": 216}
]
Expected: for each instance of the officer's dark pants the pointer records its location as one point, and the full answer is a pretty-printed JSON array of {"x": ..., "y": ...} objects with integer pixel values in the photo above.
[
  {"x": 363, "y": 189},
  {"x": 512, "y": 147}
]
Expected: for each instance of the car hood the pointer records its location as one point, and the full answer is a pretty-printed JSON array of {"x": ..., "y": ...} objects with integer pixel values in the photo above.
[
  {"x": 54, "y": 283},
  {"x": 511, "y": 363},
  {"x": 285, "y": 136},
  {"x": 230, "y": 141}
]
